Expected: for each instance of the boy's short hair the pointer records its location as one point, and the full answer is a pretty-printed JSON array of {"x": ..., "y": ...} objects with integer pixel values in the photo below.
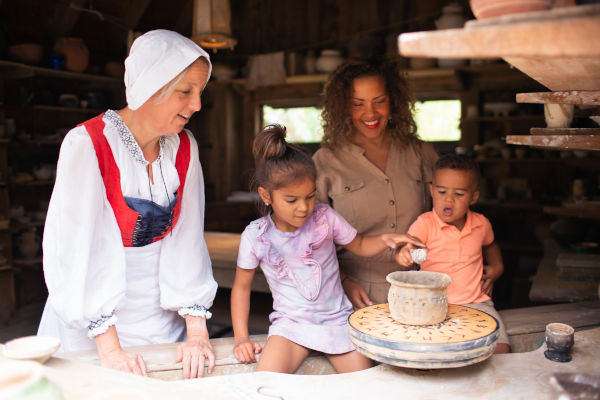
[{"x": 459, "y": 162}]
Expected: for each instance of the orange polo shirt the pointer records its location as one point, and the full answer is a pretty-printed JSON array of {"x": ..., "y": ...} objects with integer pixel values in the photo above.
[{"x": 456, "y": 253}]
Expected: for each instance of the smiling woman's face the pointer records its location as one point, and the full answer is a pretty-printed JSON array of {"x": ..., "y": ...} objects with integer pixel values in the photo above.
[
  {"x": 171, "y": 115},
  {"x": 370, "y": 106}
]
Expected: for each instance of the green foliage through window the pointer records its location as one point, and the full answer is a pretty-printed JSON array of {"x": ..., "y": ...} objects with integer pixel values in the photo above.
[
  {"x": 438, "y": 120},
  {"x": 303, "y": 124}
]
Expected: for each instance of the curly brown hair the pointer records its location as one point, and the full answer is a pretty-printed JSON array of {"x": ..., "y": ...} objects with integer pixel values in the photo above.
[{"x": 337, "y": 119}]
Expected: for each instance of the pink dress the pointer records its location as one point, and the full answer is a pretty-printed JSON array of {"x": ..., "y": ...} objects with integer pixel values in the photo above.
[{"x": 302, "y": 270}]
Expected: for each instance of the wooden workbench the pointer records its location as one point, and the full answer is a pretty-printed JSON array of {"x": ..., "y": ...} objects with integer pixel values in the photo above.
[{"x": 515, "y": 376}]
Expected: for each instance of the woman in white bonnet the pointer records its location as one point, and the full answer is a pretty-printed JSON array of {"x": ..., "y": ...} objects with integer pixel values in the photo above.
[{"x": 125, "y": 259}]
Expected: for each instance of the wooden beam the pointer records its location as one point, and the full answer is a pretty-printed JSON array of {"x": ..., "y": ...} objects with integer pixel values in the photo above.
[
  {"x": 565, "y": 142},
  {"x": 564, "y": 97},
  {"x": 65, "y": 17},
  {"x": 134, "y": 13}
]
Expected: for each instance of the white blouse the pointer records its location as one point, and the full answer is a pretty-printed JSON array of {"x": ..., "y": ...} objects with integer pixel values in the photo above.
[{"x": 84, "y": 256}]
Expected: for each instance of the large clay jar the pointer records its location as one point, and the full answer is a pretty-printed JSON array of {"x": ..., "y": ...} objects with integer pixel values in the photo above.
[
  {"x": 76, "y": 53},
  {"x": 29, "y": 244},
  {"x": 418, "y": 297}
]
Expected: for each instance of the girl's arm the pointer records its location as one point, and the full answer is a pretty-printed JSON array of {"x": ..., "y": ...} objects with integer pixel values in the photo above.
[
  {"x": 493, "y": 267},
  {"x": 368, "y": 246},
  {"x": 244, "y": 350}
]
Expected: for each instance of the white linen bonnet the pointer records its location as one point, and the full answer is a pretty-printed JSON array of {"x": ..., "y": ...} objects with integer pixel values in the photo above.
[{"x": 154, "y": 60}]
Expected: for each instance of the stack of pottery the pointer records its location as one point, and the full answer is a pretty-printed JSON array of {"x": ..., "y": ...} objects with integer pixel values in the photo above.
[
  {"x": 24, "y": 380},
  {"x": 452, "y": 17}
]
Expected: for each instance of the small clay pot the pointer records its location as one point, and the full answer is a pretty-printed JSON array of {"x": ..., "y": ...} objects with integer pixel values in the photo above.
[
  {"x": 418, "y": 297},
  {"x": 559, "y": 340},
  {"x": 76, "y": 53}
]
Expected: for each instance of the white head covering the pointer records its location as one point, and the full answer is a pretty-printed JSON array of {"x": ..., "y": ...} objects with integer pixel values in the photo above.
[{"x": 154, "y": 60}]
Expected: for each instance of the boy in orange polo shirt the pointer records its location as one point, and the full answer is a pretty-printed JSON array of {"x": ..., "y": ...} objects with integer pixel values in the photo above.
[{"x": 459, "y": 239}]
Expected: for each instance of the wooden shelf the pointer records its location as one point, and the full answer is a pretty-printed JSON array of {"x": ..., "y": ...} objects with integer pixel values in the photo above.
[
  {"x": 553, "y": 47},
  {"x": 577, "y": 211},
  {"x": 15, "y": 70},
  {"x": 565, "y": 142},
  {"x": 27, "y": 262},
  {"x": 47, "y": 108},
  {"x": 507, "y": 118},
  {"x": 562, "y": 97},
  {"x": 510, "y": 204}
]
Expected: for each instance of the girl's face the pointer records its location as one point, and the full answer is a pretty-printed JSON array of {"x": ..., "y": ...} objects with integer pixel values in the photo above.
[
  {"x": 453, "y": 191},
  {"x": 292, "y": 204},
  {"x": 370, "y": 106},
  {"x": 171, "y": 115}
]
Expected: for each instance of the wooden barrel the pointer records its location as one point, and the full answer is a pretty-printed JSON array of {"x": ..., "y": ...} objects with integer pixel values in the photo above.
[{"x": 465, "y": 337}]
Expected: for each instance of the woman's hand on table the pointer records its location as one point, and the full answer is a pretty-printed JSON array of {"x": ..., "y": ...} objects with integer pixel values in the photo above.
[
  {"x": 245, "y": 350},
  {"x": 113, "y": 356},
  {"x": 123, "y": 361},
  {"x": 356, "y": 294},
  {"x": 192, "y": 355}
]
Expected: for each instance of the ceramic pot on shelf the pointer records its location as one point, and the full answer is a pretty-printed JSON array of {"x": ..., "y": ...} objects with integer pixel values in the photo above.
[
  {"x": 29, "y": 244},
  {"x": 452, "y": 17},
  {"x": 76, "y": 53},
  {"x": 329, "y": 60}
]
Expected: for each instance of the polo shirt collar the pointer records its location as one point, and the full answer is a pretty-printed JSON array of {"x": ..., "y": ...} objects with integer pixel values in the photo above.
[{"x": 465, "y": 230}]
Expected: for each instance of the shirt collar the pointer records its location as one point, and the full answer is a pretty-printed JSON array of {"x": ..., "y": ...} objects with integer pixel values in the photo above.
[
  {"x": 442, "y": 225},
  {"x": 129, "y": 141}
]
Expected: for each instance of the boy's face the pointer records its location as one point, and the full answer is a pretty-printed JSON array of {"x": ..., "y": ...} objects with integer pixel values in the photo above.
[{"x": 453, "y": 191}]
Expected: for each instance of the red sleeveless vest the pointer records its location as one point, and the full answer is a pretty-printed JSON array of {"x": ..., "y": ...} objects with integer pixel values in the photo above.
[{"x": 127, "y": 218}]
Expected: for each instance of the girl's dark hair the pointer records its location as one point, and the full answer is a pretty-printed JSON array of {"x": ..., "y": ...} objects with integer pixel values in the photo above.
[
  {"x": 459, "y": 162},
  {"x": 279, "y": 163},
  {"x": 337, "y": 119}
]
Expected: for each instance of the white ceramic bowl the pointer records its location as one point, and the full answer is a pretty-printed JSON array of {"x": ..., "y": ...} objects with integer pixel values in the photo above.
[{"x": 34, "y": 348}]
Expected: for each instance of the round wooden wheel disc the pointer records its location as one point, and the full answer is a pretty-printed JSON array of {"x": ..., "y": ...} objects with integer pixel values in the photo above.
[{"x": 465, "y": 337}]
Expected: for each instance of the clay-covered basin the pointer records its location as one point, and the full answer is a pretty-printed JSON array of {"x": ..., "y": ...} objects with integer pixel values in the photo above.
[{"x": 418, "y": 297}]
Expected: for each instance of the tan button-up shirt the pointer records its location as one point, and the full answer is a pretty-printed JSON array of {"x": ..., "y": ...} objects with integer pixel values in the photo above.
[{"x": 374, "y": 202}]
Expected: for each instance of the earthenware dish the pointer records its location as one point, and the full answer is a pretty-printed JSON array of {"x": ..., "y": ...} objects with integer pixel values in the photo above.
[{"x": 33, "y": 348}]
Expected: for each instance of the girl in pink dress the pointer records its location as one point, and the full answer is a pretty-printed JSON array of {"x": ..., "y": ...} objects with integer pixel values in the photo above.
[{"x": 295, "y": 245}]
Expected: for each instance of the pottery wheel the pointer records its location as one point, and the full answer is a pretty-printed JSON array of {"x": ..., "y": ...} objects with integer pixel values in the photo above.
[{"x": 465, "y": 337}]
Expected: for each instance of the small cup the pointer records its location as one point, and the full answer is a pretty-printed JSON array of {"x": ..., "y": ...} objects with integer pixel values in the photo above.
[{"x": 559, "y": 340}]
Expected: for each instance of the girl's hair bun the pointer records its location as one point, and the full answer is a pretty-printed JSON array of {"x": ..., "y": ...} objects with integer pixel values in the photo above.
[{"x": 270, "y": 144}]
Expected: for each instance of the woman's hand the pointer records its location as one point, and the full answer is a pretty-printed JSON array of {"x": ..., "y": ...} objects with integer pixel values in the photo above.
[
  {"x": 192, "y": 354},
  {"x": 393, "y": 240},
  {"x": 244, "y": 350},
  {"x": 356, "y": 294},
  {"x": 113, "y": 356},
  {"x": 123, "y": 361}
]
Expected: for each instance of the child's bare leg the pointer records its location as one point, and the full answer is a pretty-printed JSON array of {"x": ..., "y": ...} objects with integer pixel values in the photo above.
[
  {"x": 502, "y": 348},
  {"x": 349, "y": 362},
  {"x": 281, "y": 355}
]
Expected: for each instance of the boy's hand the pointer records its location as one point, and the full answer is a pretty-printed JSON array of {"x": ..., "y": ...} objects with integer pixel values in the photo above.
[
  {"x": 491, "y": 273},
  {"x": 403, "y": 256},
  {"x": 244, "y": 350}
]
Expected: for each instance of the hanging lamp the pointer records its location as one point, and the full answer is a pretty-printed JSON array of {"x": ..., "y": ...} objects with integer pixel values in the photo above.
[{"x": 212, "y": 24}]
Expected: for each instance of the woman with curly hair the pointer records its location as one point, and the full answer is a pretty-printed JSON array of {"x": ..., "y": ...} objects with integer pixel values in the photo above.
[{"x": 372, "y": 168}]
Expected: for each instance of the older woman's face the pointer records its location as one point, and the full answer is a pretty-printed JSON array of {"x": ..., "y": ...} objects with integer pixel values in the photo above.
[
  {"x": 171, "y": 115},
  {"x": 370, "y": 106}
]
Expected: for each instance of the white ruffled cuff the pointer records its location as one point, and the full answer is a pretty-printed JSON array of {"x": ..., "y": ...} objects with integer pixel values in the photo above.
[
  {"x": 195, "y": 311},
  {"x": 101, "y": 325}
]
